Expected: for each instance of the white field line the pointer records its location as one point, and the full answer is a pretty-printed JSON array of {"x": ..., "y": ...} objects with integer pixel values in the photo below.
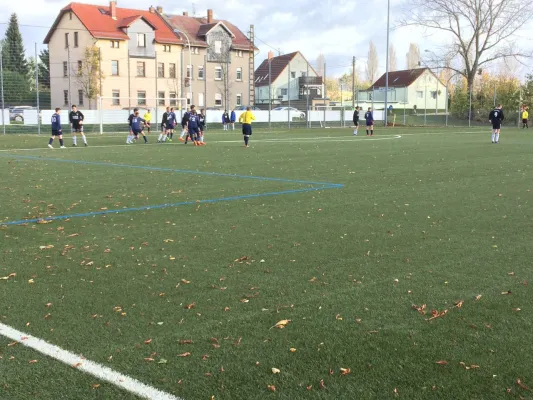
[
  {"x": 320, "y": 139},
  {"x": 90, "y": 367}
]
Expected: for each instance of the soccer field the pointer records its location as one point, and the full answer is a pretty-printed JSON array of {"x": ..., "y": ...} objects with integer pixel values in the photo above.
[{"x": 312, "y": 265}]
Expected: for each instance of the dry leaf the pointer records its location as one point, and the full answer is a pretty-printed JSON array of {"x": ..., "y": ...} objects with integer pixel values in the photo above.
[
  {"x": 436, "y": 314},
  {"x": 511, "y": 273},
  {"x": 12, "y": 344},
  {"x": 421, "y": 309},
  {"x": 48, "y": 305},
  {"x": 505, "y": 293},
  {"x": 331, "y": 372},
  {"x": 186, "y": 354},
  {"x": 275, "y": 371},
  {"x": 189, "y": 306},
  {"x": 244, "y": 301},
  {"x": 50, "y": 246},
  {"x": 96, "y": 386},
  {"x": 345, "y": 371},
  {"x": 185, "y": 341},
  {"x": 459, "y": 303},
  {"x": 281, "y": 324},
  {"x": 519, "y": 383},
  {"x": 73, "y": 235},
  {"x": 148, "y": 341},
  {"x": 321, "y": 384},
  {"x": 338, "y": 317},
  {"x": 185, "y": 281},
  {"x": 272, "y": 388},
  {"x": 516, "y": 309},
  {"x": 34, "y": 361},
  {"x": 76, "y": 365},
  {"x": 309, "y": 387},
  {"x": 441, "y": 362},
  {"x": 292, "y": 350},
  {"x": 31, "y": 281},
  {"x": 149, "y": 359},
  {"x": 477, "y": 297}
]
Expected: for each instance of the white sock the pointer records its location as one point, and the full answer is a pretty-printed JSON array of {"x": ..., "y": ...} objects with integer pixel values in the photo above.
[
  {"x": 493, "y": 135},
  {"x": 160, "y": 137},
  {"x": 202, "y": 138},
  {"x": 497, "y": 137},
  {"x": 74, "y": 139},
  {"x": 165, "y": 138},
  {"x": 84, "y": 139},
  {"x": 182, "y": 134}
]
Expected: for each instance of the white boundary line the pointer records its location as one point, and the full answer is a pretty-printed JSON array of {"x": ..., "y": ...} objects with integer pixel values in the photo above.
[{"x": 90, "y": 367}]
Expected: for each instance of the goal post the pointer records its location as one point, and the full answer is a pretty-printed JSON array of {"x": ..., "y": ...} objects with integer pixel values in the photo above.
[
  {"x": 112, "y": 113},
  {"x": 330, "y": 117}
]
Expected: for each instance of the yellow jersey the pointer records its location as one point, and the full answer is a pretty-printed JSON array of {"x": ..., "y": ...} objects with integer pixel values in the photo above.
[
  {"x": 525, "y": 114},
  {"x": 147, "y": 117},
  {"x": 246, "y": 117}
]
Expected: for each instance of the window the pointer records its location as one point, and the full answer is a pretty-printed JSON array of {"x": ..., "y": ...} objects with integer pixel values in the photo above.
[
  {"x": 201, "y": 100},
  {"x": 189, "y": 71},
  {"x": 160, "y": 70},
  {"x": 166, "y": 48},
  {"x": 196, "y": 50},
  {"x": 188, "y": 98},
  {"x": 218, "y": 99},
  {"x": 420, "y": 94},
  {"x": 218, "y": 73},
  {"x": 141, "y": 98},
  {"x": 303, "y": 74},
  {"x": 239, "y": 99},
  {"x": 141, "y": 40},
  {"x": 65, "y": 97},
  {"x": 80, "y": 65},
  {"x": 70, "y": 15},
  {"x": 75, "y": 39},
  {"x": 66, "y": 40},
  {"x": 171, "y": 70},
  {"x": 80, "y": 97},
  {"x": 201, "y": 72},
  {"x": 284, "y": 92},
  {"x": 115, "y": 44},
  {"x": 115, "y": 94},
  {"x": 140, "y": 68},
  {"x": 239, "y": 74},
  {"x": 218, "y": 46},
  {"x": 114, "y": 67},
  {"x": 239, "y": 53},
  {"x": 172, "y": 96},
  {"x": 65, "y": 68},
  {"x": 293, "y": 74},
  {"x": 160, "y": 98}
]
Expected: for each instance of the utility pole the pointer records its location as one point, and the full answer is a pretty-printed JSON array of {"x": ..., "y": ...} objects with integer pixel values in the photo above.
[
  {"x": 387, "y": 66},
  {"x": 353, "y": 82},
  {"x": 37, "y": 91}
]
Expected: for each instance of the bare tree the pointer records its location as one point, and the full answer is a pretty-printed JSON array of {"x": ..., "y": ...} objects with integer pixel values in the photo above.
[
  {"x": 413, "y": 56},
  {"x": 224, "y": 85},
  {"x": 88, "y": 73},
  {"x": 372, "y": 63},
  {"x": 478, "y": 31},
  {"x": 393, "y": 60}
]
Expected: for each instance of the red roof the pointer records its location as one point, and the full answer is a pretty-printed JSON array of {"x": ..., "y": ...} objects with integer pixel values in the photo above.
[
  {"x": 97, "y": 19},
  {"x": 401, "y": 78},
  {"x": 196, "y": 28},
  {"x": 277, "y": 65}
]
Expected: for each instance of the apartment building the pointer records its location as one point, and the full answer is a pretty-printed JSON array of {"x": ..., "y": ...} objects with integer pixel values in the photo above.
[{"x": 146, "y": 58}]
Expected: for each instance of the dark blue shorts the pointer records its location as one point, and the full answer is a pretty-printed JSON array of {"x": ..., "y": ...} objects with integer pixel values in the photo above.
[
  {"x": 369, "y": 123},
  {"x": 55, "y": 132},
  {"x": 246, "y": 129},
  {"x": 193, "y": 131},
  {"x": 137, "y": 132}
]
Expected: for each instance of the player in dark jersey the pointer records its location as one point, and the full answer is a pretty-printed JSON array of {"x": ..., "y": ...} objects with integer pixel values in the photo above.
[
  {"x": 201, "y": 126},
  {"x": 369, "y": 117},
  {"x": 76, "y": 125},
  {"x": 130, "y": 138},
  {"x": 56, "y": 129},
  {"x": 192, "y": 125},
  {"x": 137, "y": 126},
  {"x": 171, "y": 123},
  {"x": 356, "y": 120},
  {"x": 164, "y": 122},
  {"x": 496, "y": 117}
]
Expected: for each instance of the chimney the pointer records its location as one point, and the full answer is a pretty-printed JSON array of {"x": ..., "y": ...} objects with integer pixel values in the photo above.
[
  {"x": 159, "y": 9},
  {"x": 152, "y": 10},
  {"x": 113, "y": 9},
  {"x": 270, "y": 55},
  {"x": 185, "y": 14},
  {"x": 209, "y": 16}
]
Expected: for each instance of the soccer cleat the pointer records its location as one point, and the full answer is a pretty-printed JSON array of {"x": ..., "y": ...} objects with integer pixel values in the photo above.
[
  {"x": 170, "y": 140},
  {"x": 86, "y": 144},
  {"x": 74, "y": 145},
  {"x": 62, "y": 147},
  {"x": 181, "y": 139},
  {"x": 50, "y": 146}
]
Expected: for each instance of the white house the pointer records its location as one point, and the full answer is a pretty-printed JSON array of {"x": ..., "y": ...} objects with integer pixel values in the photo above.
[
  {"x": 287, "y": 76},
  {"x": 413, "y": 89}
]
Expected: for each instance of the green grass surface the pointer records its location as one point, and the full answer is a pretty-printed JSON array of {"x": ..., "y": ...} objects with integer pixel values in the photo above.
[{"x": 434, "y": 217}]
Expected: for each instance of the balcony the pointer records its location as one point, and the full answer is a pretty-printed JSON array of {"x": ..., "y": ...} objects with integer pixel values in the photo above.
[
  {"x": 142, "y": 52},
  {"x": 310, "y": 81}
]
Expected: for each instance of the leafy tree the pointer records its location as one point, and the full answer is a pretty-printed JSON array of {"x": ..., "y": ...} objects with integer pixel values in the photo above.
[
  {"x": 13, "y": 57},
  {"x": 16, "y": 89},
  {"x": 44, "y": 69},
  {"x": 88, "y": 74}
]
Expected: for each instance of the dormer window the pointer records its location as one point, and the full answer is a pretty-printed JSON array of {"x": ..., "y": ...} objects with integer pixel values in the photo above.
[{"x": 141, "y": 40}]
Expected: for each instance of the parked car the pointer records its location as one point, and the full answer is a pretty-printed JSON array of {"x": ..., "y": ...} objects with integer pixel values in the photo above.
[
  {"x": 293, "y": 110},
  {"x": 17, "y": 113}
]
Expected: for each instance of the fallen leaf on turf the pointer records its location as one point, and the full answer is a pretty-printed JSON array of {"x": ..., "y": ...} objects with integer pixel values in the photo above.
[
  {"x": 519, "y": 383},
  {"x": 345, "y": 371},
  {"x": 185, "y": 341},
  {"x": 338, "y": 317},
  {"x": 185, "y": 281},
  {"x": 150, "y": 359},
  {"x": 516, "y": 309},
  {"x": 331, "y": 372},
  {"x": 148, "y": 341},
  {"x": 396, "y": 391},
  {"x": 34, "y": 361},
  {"x": 421, "y": 309},
  {"x": 506, "y": 293},
  {"x": 168, "y": 240},
  {"x": 313, "y": 279},
  {"x": 459, "y": 303},
  {"x": 76, "y": 365},
  {"x": 477, "y": 297},
  {"x": 186, "y": 354},
  {"x": 12, "y": 344},
  {"x": 189, "y": 306},
  {"x": 281, "y": 324},
  {"x": 30, "y": 281},
  {"x": 358, "y": 320},
  {"x": 226, "y": 308},
  {"x": 48, "y": 305},
  {"x": 272, "y": 388},
  {"x": 47, "y": 316},
  {"x": 96, "y": 386},
  {"x": 73, "y": 235},
  {"x": 275, "y": 371},
  {"x": 436, "y": 314},
  {"x": 12, "y": 275},
  {"x": 292, "y": 350},
  {"x": 50, "y": 246},
  {"x": 321, "y": 384},
  {"x": 441, "y": 362},
  {"x": 309, "y": 387},
  {"x": 511, "y": 273},
  {"x": 244, "y": 301},
  {"x": 162, "y": 361},
  {"x": 467, "y": 367}
]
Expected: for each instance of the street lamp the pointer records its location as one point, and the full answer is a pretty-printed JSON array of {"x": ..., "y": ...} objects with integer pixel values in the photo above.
[
  {"x": 178, "y": 32},
  {"x": 386, "y": 64}
]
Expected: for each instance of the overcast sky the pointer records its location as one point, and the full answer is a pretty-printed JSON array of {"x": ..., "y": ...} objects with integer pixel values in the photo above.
[{"x": 339, "y": 29}]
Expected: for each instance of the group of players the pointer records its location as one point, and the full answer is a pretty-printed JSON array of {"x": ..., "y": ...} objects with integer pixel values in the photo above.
[
  {"x": 192, "y": 124},
  {"x": 76, "y": 125},
  {"x": 369, "y": 119}
]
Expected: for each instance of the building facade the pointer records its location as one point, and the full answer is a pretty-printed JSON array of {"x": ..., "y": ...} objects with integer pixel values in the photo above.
[{"x": 146, "y": 59}]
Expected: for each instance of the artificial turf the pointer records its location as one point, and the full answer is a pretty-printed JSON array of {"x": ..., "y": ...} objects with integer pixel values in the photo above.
[{"x": 436, "y": 217}]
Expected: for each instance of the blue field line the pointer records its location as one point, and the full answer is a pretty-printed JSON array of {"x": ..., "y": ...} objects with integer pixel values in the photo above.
[
  {"x": 185, "y": 171},
  {"x": 168, "y": 205}
]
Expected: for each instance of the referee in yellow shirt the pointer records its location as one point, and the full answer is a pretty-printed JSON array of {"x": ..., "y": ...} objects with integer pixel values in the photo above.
[
  {"x": 246, "y": 118},
  {"x": 148, "y": 118},
  {"x": 525, "y": 116}
]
